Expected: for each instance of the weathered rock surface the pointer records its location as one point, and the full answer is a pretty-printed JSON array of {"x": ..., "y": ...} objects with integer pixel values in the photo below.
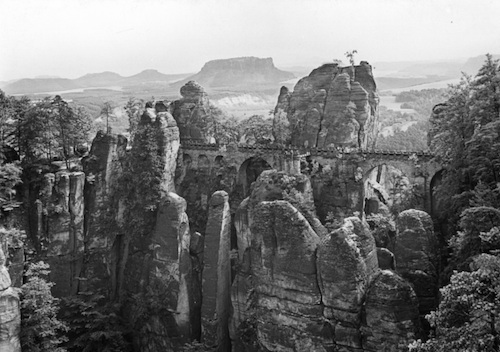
[
  {"x": 390, "y": 314},
  {"x": 281, "y": 130},
  {"x": 383, "y": 230},
  {"x": 171, "y": 261},
  {"x": 416, "y": 255},
  {"x": 57, "y": 224},
  {"x": 347, "y": 260},
  {"x": 10, "y": 314},
  {"x": 192, "y": 112},
  {"x": 386, "y": 260},
  {"x": 167, "y": 140},
  {"x": 216, "y": 290},
  {"x": 332, "y": 106},
  {"x": 278, "y": 185},
  {"x": 287, "y": 296},
  {"x": 297, "y": 290}
]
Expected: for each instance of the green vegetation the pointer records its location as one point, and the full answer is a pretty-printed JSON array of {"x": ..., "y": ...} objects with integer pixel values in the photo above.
[
  {"x": 467, "y": 318},
  {"x": 466, "y": 141},
  {"x": 47, "y": 129},
  {"x": 41, "y": 329},
  {"x": 94, "y": 324},
  {"x": 422, "y": 101}
]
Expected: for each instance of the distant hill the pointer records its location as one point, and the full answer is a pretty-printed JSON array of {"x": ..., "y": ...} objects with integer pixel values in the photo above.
[
  {"x": 153, "y": 76},
  {"x": 473, "y": 64},
  {"x": 99, "y": 79},
  {"x": 35, "y": 85},
  {"x": 91, "y": 80},
  {"x": 242, "y": 72}
]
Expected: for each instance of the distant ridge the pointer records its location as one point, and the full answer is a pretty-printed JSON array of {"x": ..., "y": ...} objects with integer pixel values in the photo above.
[
  {"x": 91, "y": 80},
  {"x": 35, "y": 85},
  {"x": 473, "y": 64}
]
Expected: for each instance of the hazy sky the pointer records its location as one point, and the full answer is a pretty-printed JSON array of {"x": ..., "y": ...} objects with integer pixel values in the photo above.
[{"x": 69, "y": 38}]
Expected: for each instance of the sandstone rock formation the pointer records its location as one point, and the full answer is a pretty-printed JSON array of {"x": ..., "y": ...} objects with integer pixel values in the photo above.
[
  {"x": 56, "y": 205},
  {"x": 171, "y": 261},
  {"x": 329, "y": 108},
  {"x": 217, "y": 274},
  {"x": 298, "y": 288},
  {"x": 390, "y": 314},
  {"x": 10, "y": 315},
  {"x": 168, "y": 142},
  {"x": 192, "y": 112},
  {"x": 416, "y": 256},
  {"x": 347, "y": 260},
  {"x": 287, "y": 296},
  {"x": 296, "y": 189}
]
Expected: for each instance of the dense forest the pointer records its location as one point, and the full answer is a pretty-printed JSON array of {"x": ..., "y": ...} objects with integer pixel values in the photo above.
[{"x": 463, "y": 135}]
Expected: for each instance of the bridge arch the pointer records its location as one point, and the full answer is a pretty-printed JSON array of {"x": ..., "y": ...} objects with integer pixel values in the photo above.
[
  {"x": 248, "y": 172},
  {"x": 219, "y": 161},
  {"x": 393, "y": 186},
  {"x": 187, "y": 161}
]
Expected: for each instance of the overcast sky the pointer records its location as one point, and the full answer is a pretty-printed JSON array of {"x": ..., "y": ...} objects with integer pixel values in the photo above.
[{"x": 70, "y": 38}]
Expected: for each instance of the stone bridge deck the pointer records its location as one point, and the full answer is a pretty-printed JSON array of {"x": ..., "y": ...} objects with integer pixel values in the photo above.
[
  {"x": 343, "y": 172},
  {"x": 287, "y": 150}
]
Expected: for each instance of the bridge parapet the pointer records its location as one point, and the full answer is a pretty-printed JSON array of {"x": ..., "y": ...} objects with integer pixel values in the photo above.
[{"x": 313, "y": 151}]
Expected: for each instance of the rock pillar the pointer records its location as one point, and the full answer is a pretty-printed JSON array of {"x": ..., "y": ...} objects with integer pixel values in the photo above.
[{"x": 217, "y": 273}]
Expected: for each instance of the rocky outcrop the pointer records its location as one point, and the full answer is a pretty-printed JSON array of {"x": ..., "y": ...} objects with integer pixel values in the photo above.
[
  {"x": 240, "y": 72},
  {"x": 390, "y": 314},
  {"x": 287, "y": 296},
  {"x": 347, "y": 260},
  {"x": 281, "y": 129},
  {"x": 10, "y": 315},
  {"x": 216, "y": 305},
  {"x": 332, "y": 106},
  {"x": 168, "y": 142},
  {"x": 171, "y": 260},
  {"x": 416, "y": 256},
  {"x": 192, "y": 112},
  {"x": 296, "y": 189},
  {"x": 56, "y": 205},
  {"x": 299, "y": 288}
]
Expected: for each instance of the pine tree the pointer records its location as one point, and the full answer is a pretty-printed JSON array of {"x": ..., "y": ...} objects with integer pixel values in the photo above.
[{"x": 41, "y": 330}]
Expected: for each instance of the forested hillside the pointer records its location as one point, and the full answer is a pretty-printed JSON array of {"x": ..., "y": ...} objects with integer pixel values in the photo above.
[{"x": 465, "y": 138}]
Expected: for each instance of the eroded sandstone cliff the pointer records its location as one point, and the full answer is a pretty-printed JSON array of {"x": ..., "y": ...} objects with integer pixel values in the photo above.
[{"x": 333, "y": 106}]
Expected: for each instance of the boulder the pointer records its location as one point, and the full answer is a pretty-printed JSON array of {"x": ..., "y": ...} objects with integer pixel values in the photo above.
[{"x": 390, "y": 314}]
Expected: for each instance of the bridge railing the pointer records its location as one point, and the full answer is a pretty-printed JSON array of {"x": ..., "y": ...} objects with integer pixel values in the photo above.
[{"x": 194, "y": 144}]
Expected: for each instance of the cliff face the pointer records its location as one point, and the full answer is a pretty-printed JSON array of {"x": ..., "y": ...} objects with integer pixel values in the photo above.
[
  {"x": 240, "y": 72},
  {"x": 299, "y": 288},
  {"x": 332, "y": 106}
]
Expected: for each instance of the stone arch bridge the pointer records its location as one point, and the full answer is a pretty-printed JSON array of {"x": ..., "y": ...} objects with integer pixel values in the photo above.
[{"x": 342, "y": 179}]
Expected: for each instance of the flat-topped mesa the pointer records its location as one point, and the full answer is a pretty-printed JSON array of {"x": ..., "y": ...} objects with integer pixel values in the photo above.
[
  {"x": 241, "y": 72},
  {"x": 333, "y": 106}
]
